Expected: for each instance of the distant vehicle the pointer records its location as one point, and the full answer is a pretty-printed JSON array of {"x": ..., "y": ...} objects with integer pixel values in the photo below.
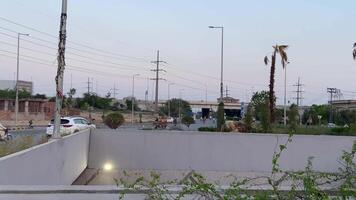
[
  {"x": 4, "y": 133},
  {"x": 70, "y": 125},
  {"x": 331, "y": 125},
  {"x": 160, "y": 123},
  {"x": 170, "y": 120}
]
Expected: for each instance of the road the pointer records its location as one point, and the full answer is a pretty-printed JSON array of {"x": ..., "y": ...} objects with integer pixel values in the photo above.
[{"x": 37, "y": 133}]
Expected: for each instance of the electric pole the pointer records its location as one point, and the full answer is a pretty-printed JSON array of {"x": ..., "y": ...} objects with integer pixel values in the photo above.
[
  {"x": 88, "y": 85},
  {"x": 227, "y": 92},
  {"x": 60, "y": 71},
  {"x": 332, "y": 91},
  {"x": 114, "y": 90},
  {"x": 157, "y": 79},
  {"x": 298, "y": 92},
  {"x": 299, "y": 98}
]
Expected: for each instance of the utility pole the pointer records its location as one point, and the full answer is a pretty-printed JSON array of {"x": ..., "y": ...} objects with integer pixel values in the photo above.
[
  {"x": 71, "y": 81},
  {"x": 299, "y": 98},
  {"x": 298, "y": 92},
  {"x": 115, "y": 89},
  {"x": 221, "y": 62},
  {"x": 157, "y": 70},
  {"x": 332, "y": 91},
  {"x": 133, "y": 98},
  {"x": 88, "y": 85},
  {"x": 17, "y": 78},
  {"x": 146, "y": 93},
  {"x": 227, "y": 92},
  {"x": 206, "y": 94},
  {"x": 60, "y": 71},
  {"x": 169, "y": 99}
]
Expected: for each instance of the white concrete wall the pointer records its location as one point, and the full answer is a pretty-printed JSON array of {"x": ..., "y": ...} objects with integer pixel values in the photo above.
[
  {"x": 58, "y": 162},
  {"x": 210, "y": 151}
]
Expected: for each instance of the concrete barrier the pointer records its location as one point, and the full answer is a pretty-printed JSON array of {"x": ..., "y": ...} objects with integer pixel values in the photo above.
[
  {"x": 58, "y": 162},
  {"x": 163, "y": 150}
]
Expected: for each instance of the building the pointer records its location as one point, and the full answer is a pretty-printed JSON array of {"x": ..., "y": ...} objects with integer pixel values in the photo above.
[
  {"x": 344, "y": 104},
  {"x": 36, "y": 109},
  {"x": 22, "y": 85}
]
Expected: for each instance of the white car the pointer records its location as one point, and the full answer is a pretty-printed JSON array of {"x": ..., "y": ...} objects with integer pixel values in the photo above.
[{"x": 70, "y": 125}]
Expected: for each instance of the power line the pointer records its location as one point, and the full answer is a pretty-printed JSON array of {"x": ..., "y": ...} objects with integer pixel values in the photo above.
[
  {"x": 72, "y": 42},
  {"x": 70, "y": 53}
]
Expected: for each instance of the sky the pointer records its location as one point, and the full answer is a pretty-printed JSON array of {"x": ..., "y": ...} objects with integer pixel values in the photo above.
[{"x": 111, "y": 40}]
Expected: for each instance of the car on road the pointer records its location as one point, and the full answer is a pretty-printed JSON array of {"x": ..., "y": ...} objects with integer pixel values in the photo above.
[{"x": 70, "y": 125}]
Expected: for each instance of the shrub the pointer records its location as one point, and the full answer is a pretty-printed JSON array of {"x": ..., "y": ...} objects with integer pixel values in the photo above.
[
  {"x": 207, "y": 129},
  {"x": 114, "y": 120},
  {"x": 220, "y": 117},
  {"x": 187, "y": 120}
]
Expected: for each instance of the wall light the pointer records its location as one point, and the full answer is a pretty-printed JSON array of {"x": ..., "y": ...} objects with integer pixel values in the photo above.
[{"x": 108, "y": 167}]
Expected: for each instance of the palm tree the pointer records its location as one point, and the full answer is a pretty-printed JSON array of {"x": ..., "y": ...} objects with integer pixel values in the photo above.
[
  {"x": 281, "y": 50},
  {"x": 354, "y": 51}
]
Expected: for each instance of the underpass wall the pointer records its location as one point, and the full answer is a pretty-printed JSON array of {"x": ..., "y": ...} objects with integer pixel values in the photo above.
[
  {"x": 167, "y": 150},
  {"x": 58, "y": 162}
]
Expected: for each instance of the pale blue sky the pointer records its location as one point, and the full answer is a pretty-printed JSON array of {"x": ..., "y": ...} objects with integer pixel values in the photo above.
[{"x": 320, "y": 34}]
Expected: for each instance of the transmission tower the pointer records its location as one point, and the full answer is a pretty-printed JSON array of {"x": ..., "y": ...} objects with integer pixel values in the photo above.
[
  {"x": 334, "y": 92},
  {"x": 157, "y": 79},
  {"x": 299, "y": 92}
]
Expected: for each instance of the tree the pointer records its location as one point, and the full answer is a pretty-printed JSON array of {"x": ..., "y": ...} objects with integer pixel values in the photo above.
[
  {"x": 220, "y": 117},
  {"x": 248, "y": 119},
  {"x": 94, "y": 101},
  {"x": 11, "y": 94},
  {"x": 114, "y": 120},
  {"x": 69, "y": 101},
  {"x": 258, "y": 100},
  {"x": 354, "y": 51},
  {"x": 317, "y": 110},
  {"x": 175, "y": 104},
  {"x": 281, "y": 50},
  {"x": 187, "y": 120},
  {"x": 128, "y": 102},
  {"x": 293, "y": 118}
]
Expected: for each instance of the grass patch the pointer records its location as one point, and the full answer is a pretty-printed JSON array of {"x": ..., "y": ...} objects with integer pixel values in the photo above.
[
  {"x": 317, "y": 130},
  {"x": 19, "y": 144}
]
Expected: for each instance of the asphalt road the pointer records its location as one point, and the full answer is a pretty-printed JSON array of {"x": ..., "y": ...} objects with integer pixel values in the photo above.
[{"x": 37, "y": 133}]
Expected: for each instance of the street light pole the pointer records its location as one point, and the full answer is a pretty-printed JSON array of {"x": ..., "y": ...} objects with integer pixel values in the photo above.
[
  {"x": 285, "y": 95},
  {"x": 133, "y": 97},
  {"x": 221, "y": 61},
  {"x": 17, "y": 78},
  {"x": 180, "y": 105},
  {"x": 169, "y": 100}
]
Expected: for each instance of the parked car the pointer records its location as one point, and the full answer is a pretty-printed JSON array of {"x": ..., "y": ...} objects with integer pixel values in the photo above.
[{"x": 70, "y": 125}]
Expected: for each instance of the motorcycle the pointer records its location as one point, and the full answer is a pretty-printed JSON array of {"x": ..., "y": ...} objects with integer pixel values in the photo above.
[{"x": 6, "y": 136}]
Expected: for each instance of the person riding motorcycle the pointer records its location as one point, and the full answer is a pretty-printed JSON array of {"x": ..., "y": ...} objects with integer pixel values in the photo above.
[{"x": 3, "y": 132}]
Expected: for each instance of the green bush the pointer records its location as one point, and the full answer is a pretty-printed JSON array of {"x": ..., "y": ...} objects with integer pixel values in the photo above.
[
  {"x": 187, "y": 120},
  {"x": 207, "y": 129},
  {"x": 114, "y": 120},
  {"x": 220, "y": 117}
]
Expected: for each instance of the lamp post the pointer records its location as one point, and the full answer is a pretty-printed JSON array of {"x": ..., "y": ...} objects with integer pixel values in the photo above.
[
  {"x": 221, "y": 61},
  {"x": 285, "y": 95},
  {"x": 133, "y": 97},
  {"x": 169, "y": 100},
  {"x": 180, "y": 106},
  {"x": 17, "y": 77}
]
